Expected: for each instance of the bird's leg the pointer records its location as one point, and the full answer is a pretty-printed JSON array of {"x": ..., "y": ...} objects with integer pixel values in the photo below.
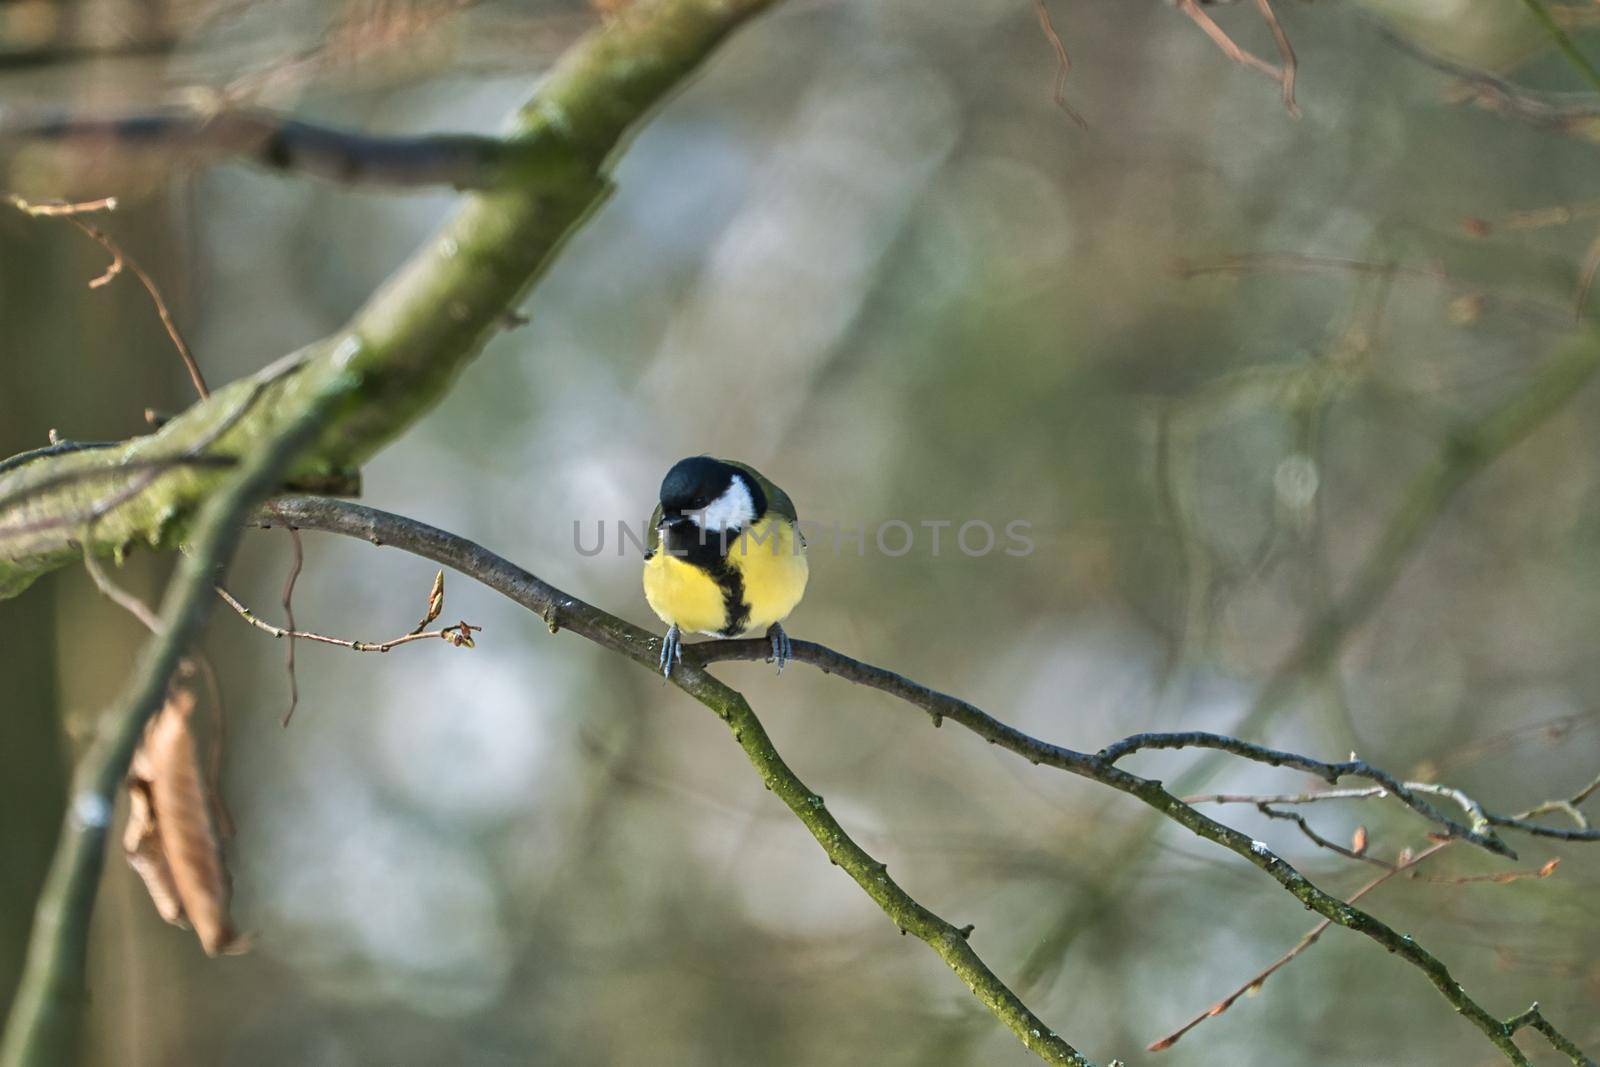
[
  {"x": 781, "y": 649},
  {"x": 671, "y": 650}
]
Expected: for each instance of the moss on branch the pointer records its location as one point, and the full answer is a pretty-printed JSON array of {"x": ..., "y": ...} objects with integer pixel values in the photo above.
[{"x": 410, "y": 340}]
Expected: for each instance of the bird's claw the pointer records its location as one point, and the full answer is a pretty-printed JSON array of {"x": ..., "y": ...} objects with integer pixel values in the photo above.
[
  {"x": 782, "y": 650},
  {"x": 671, "y": 651}
]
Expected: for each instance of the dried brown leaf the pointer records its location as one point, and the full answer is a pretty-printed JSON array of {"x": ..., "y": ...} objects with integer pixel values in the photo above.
[
  {"x": 142, "y": 844},
  {"x": 172, "y": 838},
  {"x": 435, "y": 599},
  {"x": 1358, "y": 842}
]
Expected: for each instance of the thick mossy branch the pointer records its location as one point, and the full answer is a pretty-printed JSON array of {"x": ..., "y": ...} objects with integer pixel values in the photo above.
[{"x": 413, "y": 336}]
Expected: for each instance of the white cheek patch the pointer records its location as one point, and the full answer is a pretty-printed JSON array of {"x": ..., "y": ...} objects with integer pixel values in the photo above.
[{"x": 733, "y": 510}]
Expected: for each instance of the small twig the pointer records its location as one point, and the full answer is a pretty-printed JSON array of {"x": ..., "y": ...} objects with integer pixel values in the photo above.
[
  {"x": 1534, "y": 1019},
  {"x": 1063, "y": 64},
  {"x": 296, "y": 565},
  {"x": 276, "y": 142},
  {"x": 58, "y": 208},
  {"x": 1244, "y": 263},
  {"x": 1290, "y": 65},
  {"x": 120, "y": 259},
  {"x": 1481, "y": 832},
  {"x": 1255, "y": 983},
  {"x": 459, "y": 635},
  {"x": 1591, "y": 263},
  {"x": 1565, "y": 113},
  {"x": 1322, "y": 842},
  {"x": 1564, "y": 43},
  {"x": 1284, "y": 76},
  {"x": 1567, "y": 807},
  {"x": 1533, "y": 218},
  {"x": 155, "y": 466},
  {"x": 1287, "y": 798},
  {"x": 1495, "y": 878},
  {"x": 117, "y": 595}
]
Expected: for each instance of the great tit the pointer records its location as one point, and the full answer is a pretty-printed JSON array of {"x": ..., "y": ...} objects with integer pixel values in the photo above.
[{"x": 726, "y": 557}]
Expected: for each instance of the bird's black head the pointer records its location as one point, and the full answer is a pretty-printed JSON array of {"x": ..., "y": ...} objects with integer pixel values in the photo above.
[
  {"x": 693, "y": 483},
  {"x": 712, "y": 494}
]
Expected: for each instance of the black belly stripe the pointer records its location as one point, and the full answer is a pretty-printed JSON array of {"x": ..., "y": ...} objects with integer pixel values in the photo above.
[
  {"x": 731, "y": 582},
  {"x": 710, "y": 554}
]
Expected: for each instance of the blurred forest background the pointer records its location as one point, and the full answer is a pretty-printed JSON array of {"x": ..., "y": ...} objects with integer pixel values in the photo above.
[{"x": 868, "y": 253}]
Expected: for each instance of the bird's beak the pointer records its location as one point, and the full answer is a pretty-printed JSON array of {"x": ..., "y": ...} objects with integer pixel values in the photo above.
[{"x": 669, "y": 521}]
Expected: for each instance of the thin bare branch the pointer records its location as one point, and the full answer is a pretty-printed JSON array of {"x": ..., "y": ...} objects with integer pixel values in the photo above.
[
  {"x": 1289, "y": 65},
  {"x": 119, "y": 259},
  {"x": 58, "y": 208},
  {"x": 1564, "y": 42},
  {"x": 1287, "y": 798},
  {"x": 119, "y": 596},
  {"x": 204, "y": 135},
  {"x": 1063, "y": 64},
  {"x": 1256, "y": 981},
  {"x": 1284, "y": 75},
  {"x": 1359, "y": 854},
  {"x": 459, "y": 635},
  {"x": 1573, "y": 114}
]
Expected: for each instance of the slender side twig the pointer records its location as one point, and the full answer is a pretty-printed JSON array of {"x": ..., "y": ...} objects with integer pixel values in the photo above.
[
  {"x": 1591, "y": 264},
  {"x": 56, "y": 447},
  {"x": 1289, "y": 65},
  {"x": 276, "y": 142},
  {"x": 1535, "y": 1019},
  {"x": 153, "y": 467},
  {"x": 1568, "y": 806},
  {"x": 1244, "y": 263},
  {"x": 1287, "y": 798},
  {"x": 1284, "y": 75},
  {"x": 1063, "y": 64},
  {"x": 1480, "y": 832},
  {"x": 1565, "y": 113},
  {"x": 1358, "y": 854},
  {"x": 118, "y": 595},
  {"x": 561, "y": 610},
  {"x": 459, "y": 635},
  {"x": 1256, "y": 981},
  {"x": 198, "y": 662},
  {"x": 119, "y": 259},
  {"x": 57, "y": 208},
  {"x": 1563, "y": 42},
  {"x": 297, "y": 562}
]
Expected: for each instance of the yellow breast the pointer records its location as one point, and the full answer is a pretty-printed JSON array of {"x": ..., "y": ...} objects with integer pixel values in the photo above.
[
  {"x": 765, "y": 578},
  {"x": 771, "y": 561}
]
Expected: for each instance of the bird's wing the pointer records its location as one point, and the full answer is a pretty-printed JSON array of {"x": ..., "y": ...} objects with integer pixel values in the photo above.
[
  {"x": 653, "y": 533},
  {"x": 777, "y": 499}
]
